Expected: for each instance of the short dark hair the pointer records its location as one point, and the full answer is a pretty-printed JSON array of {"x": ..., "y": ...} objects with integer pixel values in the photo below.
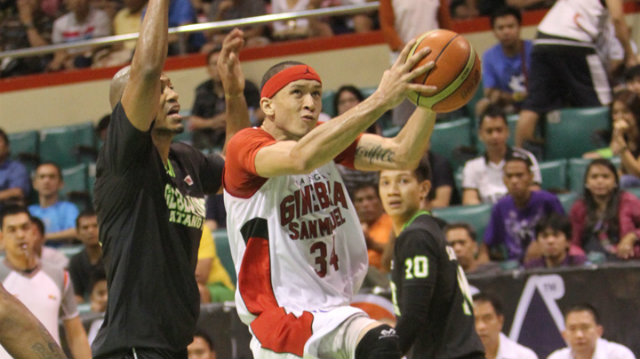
[
  {"x": 519, "y": 157},
  {"x": 89, "y": 212},
  {"x": 423, "y": 171},
  {"x": 582, "y": 307},
  {"x": 632, "y": 72},
  {"x": 488, "y": 298},
  {"x": 4, "y": 136},
  {"x": 202, "y": 334},
  {"x": 49, "y": 163},
  {"x": 11, "y": 210},
  {"x": 39, "y": 224},
  {"x": 493, "y": 111},
  {"x": 273, "y": 70},
  {"x": 346, "y": 88},
  {"x": 213, "y": 51},
  {"x": 103, "y": 124},
  {"x": 363, "y": 185},
  {"x": 505, "y": 11},
  {"x": 556, "y": 222},
  {"x": 96, "y": 276},
  {"x": 461, "y": 225}
]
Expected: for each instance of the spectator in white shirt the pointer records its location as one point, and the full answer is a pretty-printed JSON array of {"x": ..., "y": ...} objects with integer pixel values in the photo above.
[
  {"x": 489, "y": 320},
  {"x": 583, "y": 334}
]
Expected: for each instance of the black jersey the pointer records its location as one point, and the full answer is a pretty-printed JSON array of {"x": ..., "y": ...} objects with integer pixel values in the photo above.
[
  {"x": 431, "y": 295},
  {"x": 151, "y": 219}
]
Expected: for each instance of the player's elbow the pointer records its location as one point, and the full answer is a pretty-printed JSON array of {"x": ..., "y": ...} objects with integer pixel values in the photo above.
[{"x": 406, "y": 161}]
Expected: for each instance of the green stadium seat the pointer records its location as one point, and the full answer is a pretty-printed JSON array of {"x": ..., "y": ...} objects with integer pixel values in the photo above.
[
  {"x": 576, "y": 169},
  {"x": 76, "y": 185},
  {"x": 635, "y": 191},
  {"x": 554, "y": 174},
  {"x": 327, "y": 102},
  {"x": 75, "y": 178},
  {"x": 224, "y": 252},
  {"x": 470, "y": 107},
  {"x": 91, "y": 178},
  {"x": 23, "y": 143},
  {"x": 450, "y": 136},
  {"x": 567, "y": 200},
  {"x": 24, "y": 148},
  {"x": 477, "y": 216},
  {"x": 569, "y": 133},
  {"x": 368, "y": 91},
  {"x": 67, "y": 145}
]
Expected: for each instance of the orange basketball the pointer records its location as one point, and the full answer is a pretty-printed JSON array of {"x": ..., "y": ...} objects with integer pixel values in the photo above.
[{"x": 457, "y": 71}]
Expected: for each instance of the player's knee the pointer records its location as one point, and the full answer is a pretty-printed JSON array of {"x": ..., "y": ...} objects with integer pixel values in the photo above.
[{"x": 380, "y": 342}]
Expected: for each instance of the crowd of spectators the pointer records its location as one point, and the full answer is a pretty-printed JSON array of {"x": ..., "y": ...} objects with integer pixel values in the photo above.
[{"x": 33, "y": 23}]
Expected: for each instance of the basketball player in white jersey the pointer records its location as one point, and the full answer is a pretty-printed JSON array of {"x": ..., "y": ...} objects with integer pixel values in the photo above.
[
  {"x": 566, "y": 70},
  {"x": 295, "y": 237}
]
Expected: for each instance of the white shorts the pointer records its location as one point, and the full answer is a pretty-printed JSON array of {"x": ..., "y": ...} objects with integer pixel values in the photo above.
[{"x": 328, "y": 340}]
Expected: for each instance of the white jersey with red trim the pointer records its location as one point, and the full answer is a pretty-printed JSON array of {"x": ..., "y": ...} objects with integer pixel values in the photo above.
[
  {"x": 581, "y": 20},
  {"x": 297, "y": 246}
]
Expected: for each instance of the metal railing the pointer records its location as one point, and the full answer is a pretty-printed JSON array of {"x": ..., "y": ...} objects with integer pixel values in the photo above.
[{"x": 215, "y": 25}]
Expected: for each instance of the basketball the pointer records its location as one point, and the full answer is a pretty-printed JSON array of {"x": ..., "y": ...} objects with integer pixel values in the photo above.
[{"x": 456, "y": 74}]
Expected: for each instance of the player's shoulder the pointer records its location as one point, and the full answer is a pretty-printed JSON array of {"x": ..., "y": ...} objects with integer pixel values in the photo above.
[
  {"x": 613, "y": 350},
  {"x": 514, "y": 349},
  {"x": 423, "y": 231},
  {"x": 476, "y": 164},
  {"x": 493, "y": 52},
  {"x": 564, "y": 353}
]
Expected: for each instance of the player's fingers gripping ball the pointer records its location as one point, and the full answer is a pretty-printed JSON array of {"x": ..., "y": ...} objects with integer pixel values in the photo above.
[{"x": 456, "y": 74}]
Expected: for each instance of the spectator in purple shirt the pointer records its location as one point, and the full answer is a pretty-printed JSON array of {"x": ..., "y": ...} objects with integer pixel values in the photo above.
[
  {"x": 553, "y": 235},
  {"x": 513, "y": 218}
]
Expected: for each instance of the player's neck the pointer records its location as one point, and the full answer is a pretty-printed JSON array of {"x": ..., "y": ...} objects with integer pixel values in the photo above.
[
  {"x": 587, "y": 353},
  {"x": 491, "y": 348},
  {"x": 512, "y": 50},
  {"x": 162, "y": 141},
  {"x": 555, "y": 261},
  {"x": 27, "y": 263},
  {"x": 496, "y": 154},
  {"x": 522, "y": 201},
  {"x": 48, "y": 201},
  {"x": 402, "y": 220},
  {"x": 94, "y": 252},
  {"x": 278, "y": 133}
]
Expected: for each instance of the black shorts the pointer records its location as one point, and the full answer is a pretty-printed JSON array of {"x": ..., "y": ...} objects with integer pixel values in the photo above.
[
  {"x": 145, "y": 353},
  {"x": 566, "y": 76}
]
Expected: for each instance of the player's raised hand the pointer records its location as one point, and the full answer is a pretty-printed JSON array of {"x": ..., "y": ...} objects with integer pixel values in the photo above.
[
  {"x": 396, "y": 82},
  {"x": 228, "y": 64}
]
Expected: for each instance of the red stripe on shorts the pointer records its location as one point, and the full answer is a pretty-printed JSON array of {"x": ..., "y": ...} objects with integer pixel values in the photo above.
[{"x": 274, "y": 328}]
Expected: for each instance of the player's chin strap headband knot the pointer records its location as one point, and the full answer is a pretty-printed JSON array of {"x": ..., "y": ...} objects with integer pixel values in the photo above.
[{"x": 284, "y": 77}]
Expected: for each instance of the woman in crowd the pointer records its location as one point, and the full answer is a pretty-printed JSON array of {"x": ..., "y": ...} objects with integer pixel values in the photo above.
[{"x": 606, "y": 220}]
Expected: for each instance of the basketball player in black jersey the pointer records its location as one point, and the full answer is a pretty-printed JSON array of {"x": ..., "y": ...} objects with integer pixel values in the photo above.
[{"x": 430, "y": 291}]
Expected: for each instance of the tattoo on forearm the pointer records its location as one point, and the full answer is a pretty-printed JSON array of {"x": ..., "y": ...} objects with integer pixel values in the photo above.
[
  {"x": 46, "y": 346},
  {"x": 39, "y": 350},
  {"x": 377, "y": 153}
]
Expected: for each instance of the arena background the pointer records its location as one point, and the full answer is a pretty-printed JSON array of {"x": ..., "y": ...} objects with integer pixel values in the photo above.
[{"x": 48, "y": 100}]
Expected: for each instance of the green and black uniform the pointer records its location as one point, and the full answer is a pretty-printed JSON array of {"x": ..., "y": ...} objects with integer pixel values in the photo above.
[
  {"x": 150, "y": 218},
  {"x": 431, "y": 295}
]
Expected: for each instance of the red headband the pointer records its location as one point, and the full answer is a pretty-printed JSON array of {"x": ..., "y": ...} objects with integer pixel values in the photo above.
[{"x": 284, "y": 77}]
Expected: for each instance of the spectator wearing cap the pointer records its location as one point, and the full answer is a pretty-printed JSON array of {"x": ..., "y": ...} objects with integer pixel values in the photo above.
[{"x": 510, "y": 234}]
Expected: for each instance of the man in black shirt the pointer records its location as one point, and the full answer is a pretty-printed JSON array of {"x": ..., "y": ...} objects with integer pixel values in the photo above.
[
  {"x": 149, "y": 197},
  {"x": 208, "y": 116},
  {"x": 430, "y": 291}
]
